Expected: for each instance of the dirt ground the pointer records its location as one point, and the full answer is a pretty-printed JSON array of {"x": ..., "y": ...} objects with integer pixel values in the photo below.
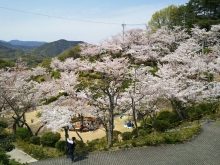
[{"x": 119, "y": 126}]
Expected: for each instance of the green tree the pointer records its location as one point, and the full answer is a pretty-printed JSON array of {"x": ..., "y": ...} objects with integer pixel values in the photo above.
[
  {"x": 5, "y": 142},
  {"x": 73, "y": 52},
  {"x": 6, "y": 63},
  {"x": 164, "y": 17},
  {"x": 46, "y": 63},
  {"x": 203, "y": 13}
]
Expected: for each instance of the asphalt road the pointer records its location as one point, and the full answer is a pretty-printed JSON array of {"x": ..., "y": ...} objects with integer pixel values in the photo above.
[{"x": 202, "y": 150}]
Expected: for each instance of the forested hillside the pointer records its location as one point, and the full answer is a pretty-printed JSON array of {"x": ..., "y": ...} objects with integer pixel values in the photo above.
[
  {"x": 17, "y": 47},
  {"x": 6, "y": 63},
  {"x": 36, "y": 55},
  {"x": 27, "y": 43},
  {"x": 54, "y": 48}
]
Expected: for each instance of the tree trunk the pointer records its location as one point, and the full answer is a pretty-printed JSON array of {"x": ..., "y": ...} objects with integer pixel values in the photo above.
[
  {"x": 38, "y": 130},
  {"x": 134, "y": 116},
  {"x": 66, "y": 136},
  {"x": 110, "y": 130},
  {"x": 77, "y": 134},
  {"x": 176, "y": 107}
]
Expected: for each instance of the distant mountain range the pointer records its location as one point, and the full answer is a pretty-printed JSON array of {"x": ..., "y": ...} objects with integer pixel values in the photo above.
[
  {"x": 18, "y": 47},
  {"x": 26, "y": 43},
  {"x": 33, "y": 52}
]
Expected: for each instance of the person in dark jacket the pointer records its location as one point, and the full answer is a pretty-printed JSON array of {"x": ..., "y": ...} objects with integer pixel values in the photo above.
[{"x": 71, "y": 147}]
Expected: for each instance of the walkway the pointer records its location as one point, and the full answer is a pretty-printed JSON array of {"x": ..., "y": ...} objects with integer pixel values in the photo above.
[
  {"x": 20, "y": 156},
  {"x": 202, "y": 150}
]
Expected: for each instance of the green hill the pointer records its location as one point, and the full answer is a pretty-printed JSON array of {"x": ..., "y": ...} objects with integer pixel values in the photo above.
[
  {"x": 16, "y": 47},
  {"x": 37, "y": 54},
  {"x": 53, "y": 49},
  {"x": 6, "y": 63},
  {"x": 10, "y": 53}
]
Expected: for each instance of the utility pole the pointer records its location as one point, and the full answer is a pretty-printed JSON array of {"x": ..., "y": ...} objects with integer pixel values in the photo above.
[{"x": 123, "y": 26}]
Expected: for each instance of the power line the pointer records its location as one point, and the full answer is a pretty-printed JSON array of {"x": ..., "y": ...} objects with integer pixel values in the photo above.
[{"x": 45, "y": 15}]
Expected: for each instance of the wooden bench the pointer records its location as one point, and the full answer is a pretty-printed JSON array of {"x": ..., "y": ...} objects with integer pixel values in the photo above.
[{"x": 77, "y": 128}]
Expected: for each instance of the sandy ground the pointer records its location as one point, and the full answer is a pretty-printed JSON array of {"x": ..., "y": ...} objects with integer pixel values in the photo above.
[{"x": 119, "y": 126}]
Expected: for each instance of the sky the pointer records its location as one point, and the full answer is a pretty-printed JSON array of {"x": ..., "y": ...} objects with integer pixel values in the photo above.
[{"x": 75, "y": 20}]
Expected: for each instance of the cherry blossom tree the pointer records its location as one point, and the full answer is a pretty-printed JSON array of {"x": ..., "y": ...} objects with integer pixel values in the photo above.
[
  {"x": 189, "y": 69},
  {"x": 103, "y": 83},
  {"x": 103, "y": 94},
  {"x": 18, "y": 94}
]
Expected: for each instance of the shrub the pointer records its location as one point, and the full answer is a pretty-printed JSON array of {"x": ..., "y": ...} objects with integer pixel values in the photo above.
[
  {"x": 35, "y": 140},
  {"x": 154, "y": 139},
  {"x": 49, "y": 139},
  {"x": 92, "y": 144},
  {"x": 147, "y": 127},
  {"x": 208, "y": 108},
  {"x": 3, "y": 124},
  {"x": 161, "y": 125},
  {"x": 9, "y": 147},
  {"x": 23, "y": 133},
  {"x": 115, "y": 135},
  {"x": 126, "y": 136},
  {"x": 38, "y": 152},
  {"x": 171, "y": 117},
  {"x": 81, "y": 148},
  {"x": 193, "y": 113},
  {"x": 102, "y": 144},
  {"x": 133, "y": 143},
  {"x": 4, "y": 159},
  {"x": 14, "y": 162},
  {"x": 142, "y": 132},
  {"x": 55, "y": 74},
  {"x": 61, "y": 145}
]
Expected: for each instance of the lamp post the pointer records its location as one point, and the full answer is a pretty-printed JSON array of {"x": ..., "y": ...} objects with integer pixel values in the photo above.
[
  {"x": 66, "y": 129},
  {"x": 133, "y": 100}
]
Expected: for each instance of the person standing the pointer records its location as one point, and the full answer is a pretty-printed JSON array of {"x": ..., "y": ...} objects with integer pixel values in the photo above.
[{"x": 71, "y": 147}]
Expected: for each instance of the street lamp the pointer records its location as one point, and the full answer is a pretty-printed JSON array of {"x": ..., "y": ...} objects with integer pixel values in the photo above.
[{"x": 66, "y": 129}]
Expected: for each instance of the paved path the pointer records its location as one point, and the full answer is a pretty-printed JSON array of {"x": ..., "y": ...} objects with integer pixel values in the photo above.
[
  {"x": 202, "y": 150},
  {"x": 20, "y": 156}
]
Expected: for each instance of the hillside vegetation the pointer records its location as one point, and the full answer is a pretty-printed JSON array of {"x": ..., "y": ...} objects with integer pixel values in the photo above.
[
  {"x": 36, "y": 55},
  {"x": 54, "y": 48}
]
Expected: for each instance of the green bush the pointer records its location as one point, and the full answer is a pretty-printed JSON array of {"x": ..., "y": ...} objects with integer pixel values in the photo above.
[
  {"x": 49, "y": 139},
  {"x": 3, "y": 124},
  {"x": 56, "y": 74},
  {"x": 81, "y": 148},
  {"x": 154, "y": 139},
  {"x": 115, "y": 135},
  {"x": 92, "y": 145},
  {"x": 208, "y": 108},
  {"x": 37, "y": 151},
  {"x": 142, "y": 132},
  {"x": 61, "y": 145},
  {"x": 23, "y": 133},
  {"x": 147, "y": 127},
  {"x": 9, "y": 147},
  {"x": 126, "y": 136},
  {"x": 161, "y": 125},
  {"x": 35, "y": 140},
  {"x": 133, "y": 143},
  {"x": 14, "y": 162},
  {"x": 171, "y": 117},
  {"x": 4, "y": 159},
  {"x": 102, "y": 144},
  {"x": 193, "y": 113}
]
